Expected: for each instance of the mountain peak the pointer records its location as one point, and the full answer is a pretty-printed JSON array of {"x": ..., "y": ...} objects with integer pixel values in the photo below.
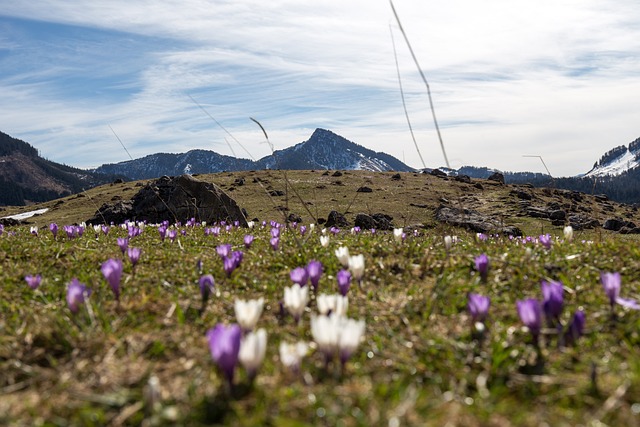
[{"x": 617, "y": 161}]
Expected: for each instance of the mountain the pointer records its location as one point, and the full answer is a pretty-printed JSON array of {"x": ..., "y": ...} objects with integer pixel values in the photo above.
[
  {"x": 617, "y": 161},
  {"x": 191, "y": 162},
  {"x": 327, "y": 150},
  {"x": 323, "y": 150},
  {"x": 26, "y": 178}
]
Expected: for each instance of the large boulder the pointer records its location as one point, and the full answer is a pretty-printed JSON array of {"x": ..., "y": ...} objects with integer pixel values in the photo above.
[
  {"x": 474, "y": 221},
  {"x": 174, "y": 199}
]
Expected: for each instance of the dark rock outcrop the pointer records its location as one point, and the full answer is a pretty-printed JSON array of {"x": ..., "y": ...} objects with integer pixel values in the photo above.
[
  {"x": 379, "y": 221},
  {"x": 336, "y": 219},
  {"x": 174, "y": 199},
  {"x": 474, "y": 221},
  {"x": 497, "y": 177}
]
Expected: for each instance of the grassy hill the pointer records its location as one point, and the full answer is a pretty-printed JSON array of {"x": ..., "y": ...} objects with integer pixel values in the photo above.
[{"x": 145, "y": 360}]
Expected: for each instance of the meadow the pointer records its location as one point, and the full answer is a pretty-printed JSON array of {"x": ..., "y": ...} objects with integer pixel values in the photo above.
[{"x": 141, "y": 350}]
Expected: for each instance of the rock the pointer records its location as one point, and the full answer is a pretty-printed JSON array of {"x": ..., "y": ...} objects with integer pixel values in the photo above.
[
  {"x": 276, "y": 193},
  {"x": 174, "y": 199},
  {"x": 10, "y": 222},
  {"x": 336, "y": 219},
  {"x": 294, "y": 218},
  {"x": 118, "y": 181},
  {"x": 364, "y": 189},
  {"x": 379, "y": 221},
  {"x": 536, "y": 212},
  {"x": 478, "y": 186},
  {"x": 337, "y": 173},
  {"x": 558, "y": 215},
  {"x": 616, "y": 224},
  {"x": 396, "y": 177},
  {"x": 521, "y": 194},
  {"x": 581, "y": 222},
  {"x": 463, "y": 178},
  {"x": 474, "y": 221},
  {"x": 497, "y": 176},
  {"x": 438, "y": 173}
]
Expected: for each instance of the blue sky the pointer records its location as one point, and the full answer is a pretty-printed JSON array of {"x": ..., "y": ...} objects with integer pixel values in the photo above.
[{"x": 559, "y": 79}]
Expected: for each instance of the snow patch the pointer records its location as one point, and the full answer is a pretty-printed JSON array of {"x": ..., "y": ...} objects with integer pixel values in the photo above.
[
  {"x": 187, "y": 169},
  {"x": 25, "y": 215},
  {"x": 616, "y": 167}
]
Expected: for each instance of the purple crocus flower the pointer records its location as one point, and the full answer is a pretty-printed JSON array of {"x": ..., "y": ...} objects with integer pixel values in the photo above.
[
  {"x": 303, "y": 230},
  {"x": 134, "y": 255},
  {"x": 231, "y": 262},
  {"x": 33, "y": 281},
  {"x": 162, "y": 230},
  {"x": 530, "y": 314},
  {"x": 172, "y": 234},
  {"x": 275, "y": 232},
  {"x": 224, "y": 344},
  {"x": 248, "y": 240},
  {"x": 576, "y": 327},
  {"x": 206, "y": 287},
  {"x": 223, "y": 250},
  {"x": 545, "y": 240},
  {"x": 105, "y": 229},
  {"x": 53, "y": 227},
  {"x": 482, "y": 265},
  {"x": 76, "y": 294},
  {"x": 123, "y": 243},
  {"x": 611, "y": 284},
  {"x": 314, "y": 269},
  {"x": 552, "y": 294},
  {"x": 478, "y": 306},
  {"x": 274, "y": 242},
  {"x": 299, "y": 275},
  {"x": 112, "y": 271},
  {"x": 344, "y": 281},
  {"x": 79, "y": 230},
  {"x": 1, "y": 229},
  {"x": 70, "y": 230}
]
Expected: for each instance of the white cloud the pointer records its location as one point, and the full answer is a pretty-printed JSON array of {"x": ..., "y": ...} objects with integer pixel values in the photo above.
[{"x": 508, "y": 78}]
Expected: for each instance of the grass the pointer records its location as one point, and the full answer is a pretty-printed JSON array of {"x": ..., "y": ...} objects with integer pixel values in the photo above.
[{"x": 419, "y": 363}]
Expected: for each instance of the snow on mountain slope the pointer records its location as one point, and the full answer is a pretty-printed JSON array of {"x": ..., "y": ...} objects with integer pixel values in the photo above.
[
  {"x": 617, "y": 161},
  {"x": 616, "y": 167}
]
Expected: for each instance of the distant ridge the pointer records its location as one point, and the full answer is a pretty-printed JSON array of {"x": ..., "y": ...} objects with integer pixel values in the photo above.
[
  {"x": 26, "y": 178},
  {"x": 323, "y": 150}
]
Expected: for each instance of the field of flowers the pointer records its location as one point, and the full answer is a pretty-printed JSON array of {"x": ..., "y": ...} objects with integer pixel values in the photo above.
[{"x": 195, "y": 324}]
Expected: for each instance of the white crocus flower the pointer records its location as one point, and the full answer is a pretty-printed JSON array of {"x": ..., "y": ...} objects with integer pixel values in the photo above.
[
  {"x": 336, "y": 304},
  {"x": 251, "y": 224},
  {"x": 296, "y": 298},
  {"x": 343, "y": 255},
  {"x": 312, "y": 227},
  {"x": 248, "y": 312},
  {"x": 252, "y": 350},
  {"x": 351, "y": 332},
  {"x": 568, "y": 233},
  {"x": 324, "y": 241},
  {"x": 448, "y": 242},
  {"x": 97, "y": 228},
  {"x": 356, "y": 266},
  {"x": 337, "y": 334},
  {"x": 397, "y": 234},
  {"x": 291, "y": 354},
  {"x": 325, "y": 331}
]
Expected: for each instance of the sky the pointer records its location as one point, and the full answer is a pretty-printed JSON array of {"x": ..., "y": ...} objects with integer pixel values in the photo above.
[{"x": 558, "y": 79}]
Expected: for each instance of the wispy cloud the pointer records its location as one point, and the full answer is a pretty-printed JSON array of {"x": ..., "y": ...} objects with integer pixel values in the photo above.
[{"x": 548, "y": 78}]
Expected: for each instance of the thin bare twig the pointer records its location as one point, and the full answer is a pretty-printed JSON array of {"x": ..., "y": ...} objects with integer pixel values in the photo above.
[
  {"x": 424, "y": 79},
  {"x": 404, "y": 104}
]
